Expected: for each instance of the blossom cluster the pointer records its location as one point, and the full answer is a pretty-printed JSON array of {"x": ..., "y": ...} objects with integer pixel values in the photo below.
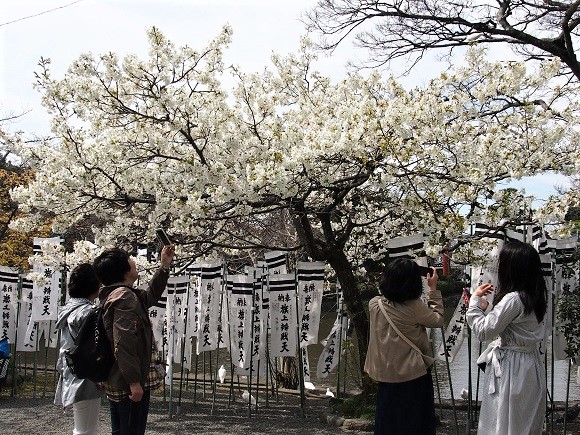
[{"x": 143, "y": 143}]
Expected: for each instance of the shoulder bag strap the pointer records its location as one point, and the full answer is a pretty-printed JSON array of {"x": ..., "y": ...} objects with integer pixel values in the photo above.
[{"x": 409, "y": 342}]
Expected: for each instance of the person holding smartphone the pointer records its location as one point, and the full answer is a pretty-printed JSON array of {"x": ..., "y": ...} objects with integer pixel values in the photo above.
[
  {"x": 514, "y": 383},
  {"x": 129, "y": 330},
  {"x": 398, "y": 341}
]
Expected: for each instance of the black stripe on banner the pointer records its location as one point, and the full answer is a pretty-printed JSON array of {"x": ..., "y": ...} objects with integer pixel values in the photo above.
[
  {"x": 9, "y": 277},
  {"x": 217, "y": 268},
  {"x": 27, "y": 284},
  {"x": 536, "y": 233},
  {"x": 482, "y": 228},
  {"x": 244, "y": 285},
  {"x": 272, "y": 258},
  {"x": 274, "y": 264},
  {"x": 543, "y": 247},
  {"x": 406, "y": 248},
  {"x": 546, "y": 269},
  {"x": 305, "y": 272},
  {"x": 275, "y": 281},
  {"x": 241, "y": 285},
  {"x": 214, "y": 275},
  {"x": 240, "y": 291},
  {"x": 161, "y": 303},
  {"x": 193, "y": 271},
  {"x": 565, "y": 259},
  {"x": 284, "y": 288}
]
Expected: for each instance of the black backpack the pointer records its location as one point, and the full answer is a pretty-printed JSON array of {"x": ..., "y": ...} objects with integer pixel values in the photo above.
[{"x": 91, "y": 357}]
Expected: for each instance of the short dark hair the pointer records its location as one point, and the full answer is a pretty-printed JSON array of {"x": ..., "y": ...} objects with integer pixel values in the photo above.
[
  {"x": 83, "y": 281},
  {"x": 401, "y": 280},
  {"x": 112, "y": 265}
]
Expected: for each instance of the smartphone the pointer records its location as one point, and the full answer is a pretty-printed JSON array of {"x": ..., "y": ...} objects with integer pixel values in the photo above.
[
  {"x": 426, "y": 271},
  {"x": 162, "y": 237}
]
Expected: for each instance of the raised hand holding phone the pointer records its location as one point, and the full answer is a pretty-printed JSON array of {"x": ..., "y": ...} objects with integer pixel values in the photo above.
[{"x": 162, "y": 237}]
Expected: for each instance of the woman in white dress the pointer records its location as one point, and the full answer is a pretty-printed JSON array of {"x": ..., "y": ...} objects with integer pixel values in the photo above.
[{"x": 514, "y": 386}]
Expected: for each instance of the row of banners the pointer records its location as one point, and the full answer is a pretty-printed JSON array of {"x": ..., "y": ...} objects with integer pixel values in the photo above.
[
  {"x": 266, "y": 310},
  {"x": 560, "y": 270},
  {"x": 265, "y": 306}
]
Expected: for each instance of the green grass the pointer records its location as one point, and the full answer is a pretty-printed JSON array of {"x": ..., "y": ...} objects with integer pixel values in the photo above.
[{"x": 360, "y": 406}]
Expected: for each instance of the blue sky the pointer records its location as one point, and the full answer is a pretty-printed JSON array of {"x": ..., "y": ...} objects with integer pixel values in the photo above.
[{"x": 63, "y": 29}]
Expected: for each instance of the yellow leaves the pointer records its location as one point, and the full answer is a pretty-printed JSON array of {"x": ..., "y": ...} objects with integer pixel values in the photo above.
[{"x": 15, "y": 247}]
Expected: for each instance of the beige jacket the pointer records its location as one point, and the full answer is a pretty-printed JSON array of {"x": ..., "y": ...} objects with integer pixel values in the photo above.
[{"x": 389, "y": 358}]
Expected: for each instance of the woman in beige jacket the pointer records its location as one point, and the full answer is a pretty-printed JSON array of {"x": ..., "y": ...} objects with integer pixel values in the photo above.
[{"x": 405, "y": 400}]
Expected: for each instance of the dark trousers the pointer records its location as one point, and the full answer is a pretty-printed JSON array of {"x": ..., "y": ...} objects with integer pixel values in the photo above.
[
  {"x": 406, "y": 408},
  {"x": 128, "y": 417}
]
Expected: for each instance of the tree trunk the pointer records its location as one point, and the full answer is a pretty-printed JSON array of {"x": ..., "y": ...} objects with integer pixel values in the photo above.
[
  {"x": 355, "y": 309},
  {"x": 328, "y": 250}
]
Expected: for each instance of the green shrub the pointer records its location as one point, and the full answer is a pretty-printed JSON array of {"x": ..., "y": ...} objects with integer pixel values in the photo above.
[{"x": 359, "y": 406}]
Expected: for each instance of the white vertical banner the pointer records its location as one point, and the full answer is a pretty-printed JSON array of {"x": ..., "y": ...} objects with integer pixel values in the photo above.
[
  {"x": 455, "y": 330},
  {"x": 558, "y": 338},
  {"x": 257, "y": 366},
  {"x": 223, "y": 325},
  {"x": 422, "y": 261},
  {"x": 9, "y": 279},
  {"x": 566, "y": 280},
  {"x": 547, "y": 250},
  {"x": 548, "y": 262},
  {"x": 276, "y": 262},
  {"x": 262, "y": 309},
  {"x": 329, "y": 358},
  {"x": 486, "y": 273},
  {"x": 224, "y": 321},
  {"x": 283, "y": 316},
  {"x": 209, "y": 294},
  {"x": 194, "y": 304},
  {"x": 46, "y": 291},
  {"x": 175, "y": 320},
  {"x": 531, "y": 234},
  {"x": 407, "y": 246},
  {"x": 26, "y": 329},
  {"x": 47, "y": 329},
  {"x": 159, "y": 324},
  {"x": 177, "y": 295},
  {"x": 310, "y": 285},
  {"x": 305, "y": 364},
  {"x": 479, "y": 275},
  {"x": 240, "y": 291}
]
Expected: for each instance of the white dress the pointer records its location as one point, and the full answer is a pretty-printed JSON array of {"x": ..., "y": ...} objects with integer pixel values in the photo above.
[{"x": 514, "y": 385}]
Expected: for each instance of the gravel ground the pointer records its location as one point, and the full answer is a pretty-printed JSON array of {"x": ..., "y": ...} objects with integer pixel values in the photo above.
[{"x": 21, "y": 415}]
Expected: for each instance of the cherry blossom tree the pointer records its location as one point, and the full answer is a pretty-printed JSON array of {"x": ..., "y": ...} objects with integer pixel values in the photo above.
[{"x": 288, "y": 159}]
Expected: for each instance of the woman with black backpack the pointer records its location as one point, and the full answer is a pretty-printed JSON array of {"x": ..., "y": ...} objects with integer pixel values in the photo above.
[{"x": 82, "y": 394}]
